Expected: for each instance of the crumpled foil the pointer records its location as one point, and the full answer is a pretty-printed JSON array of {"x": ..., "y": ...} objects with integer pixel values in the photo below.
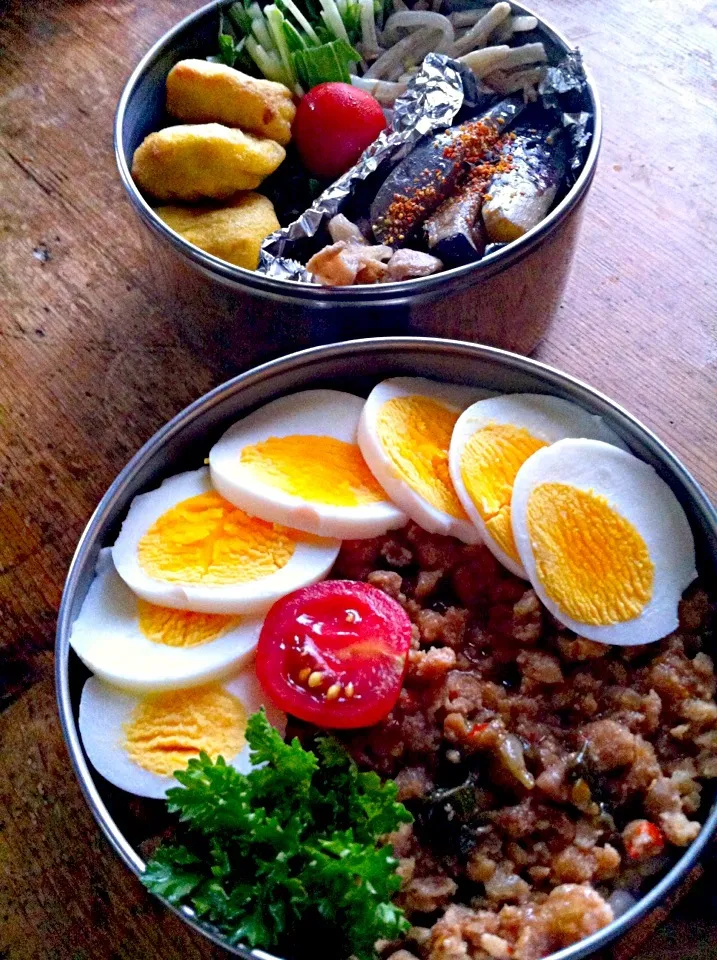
[
  {"x": 564, "y": 81},
  {"x": 431, "y": 102}
]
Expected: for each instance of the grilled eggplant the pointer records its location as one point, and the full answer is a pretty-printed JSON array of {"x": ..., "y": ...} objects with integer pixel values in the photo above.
[
  {"x": 428, "y": 175},
  {"x": 455, "y": 231},
  {"x": 519, "y": 198},
  {"x": 418, "y": 185}
]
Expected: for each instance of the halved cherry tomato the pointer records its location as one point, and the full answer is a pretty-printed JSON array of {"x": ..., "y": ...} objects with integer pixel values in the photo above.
[{"x": 335, "y": 653}]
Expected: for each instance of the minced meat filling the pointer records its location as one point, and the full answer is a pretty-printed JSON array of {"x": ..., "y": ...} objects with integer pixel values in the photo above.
[{"x": 543, "y": 770}]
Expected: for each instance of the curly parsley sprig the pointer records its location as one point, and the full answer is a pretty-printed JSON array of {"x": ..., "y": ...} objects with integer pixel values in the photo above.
[{"x": 288, "y": 851}]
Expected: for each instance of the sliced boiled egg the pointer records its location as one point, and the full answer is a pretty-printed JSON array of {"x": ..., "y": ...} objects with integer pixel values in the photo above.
[
  {"x": 184, "y": 546},
  {"x": 296, "y": 461},
  {"x": 404, "y": 435},
  {"x": 605, "y": 542},
  {"x": 492, "y": 439},
  {"x": 138, "y": 742},
  {"x": 141, "y": 646}
]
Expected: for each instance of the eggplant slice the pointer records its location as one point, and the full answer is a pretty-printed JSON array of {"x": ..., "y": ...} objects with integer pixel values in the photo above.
[
  {"x": 521, "y": 197},
  {"x": 455, "y": 231},
  {"x": 419, "y": 184}
]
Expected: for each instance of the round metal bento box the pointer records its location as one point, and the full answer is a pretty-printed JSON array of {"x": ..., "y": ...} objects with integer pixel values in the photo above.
[
  {"x": 234, "y": 317},
  {"x": 184, "y": 442}
]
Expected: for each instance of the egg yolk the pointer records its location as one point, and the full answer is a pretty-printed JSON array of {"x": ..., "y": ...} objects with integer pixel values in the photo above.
[
  {"x": 591, "y": 561},
  {"x": 181, "y": 628},
  {"x": 490, "y": 461},
  {"x": 206, "y": 539},
  {"x": 415, "y": 433},
  {"x": 316, "y": 468},
  {"x": 167, "y": 729}
]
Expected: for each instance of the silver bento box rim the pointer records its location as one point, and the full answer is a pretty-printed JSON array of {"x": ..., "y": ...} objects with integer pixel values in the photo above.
[
  {"x": 374, "y": 295},
  {"x": 450, "y": 359}
]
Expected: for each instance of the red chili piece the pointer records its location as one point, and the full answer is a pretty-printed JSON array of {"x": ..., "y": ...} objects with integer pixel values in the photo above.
[{"x": 642, "y": 840}]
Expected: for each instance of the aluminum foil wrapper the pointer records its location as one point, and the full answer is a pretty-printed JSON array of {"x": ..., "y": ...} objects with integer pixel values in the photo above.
[
  {"x": 562, "y": 83},
  {"x": 432, "y": 100}
]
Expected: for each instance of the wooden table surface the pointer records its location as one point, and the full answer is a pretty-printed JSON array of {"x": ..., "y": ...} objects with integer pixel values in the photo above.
[{"x": 91, "y": 366}]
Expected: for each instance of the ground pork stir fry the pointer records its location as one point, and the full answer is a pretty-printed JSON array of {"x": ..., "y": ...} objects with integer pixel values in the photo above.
[{"x": 543, "y": 770}]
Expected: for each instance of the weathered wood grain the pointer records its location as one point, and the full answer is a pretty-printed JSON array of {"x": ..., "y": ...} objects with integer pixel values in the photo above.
[{"x": 91, "y": 365}]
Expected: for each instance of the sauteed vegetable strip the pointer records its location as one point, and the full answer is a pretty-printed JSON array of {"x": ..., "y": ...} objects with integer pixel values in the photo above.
[
  {"x": 349, "y": 40},
  {"x": 285, "y": 46}
]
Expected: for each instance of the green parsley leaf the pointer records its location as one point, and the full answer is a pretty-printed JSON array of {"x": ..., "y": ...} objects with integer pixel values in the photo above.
[
  {"x": 173, "y": 873},
  {"x": 287, "y": 853}
]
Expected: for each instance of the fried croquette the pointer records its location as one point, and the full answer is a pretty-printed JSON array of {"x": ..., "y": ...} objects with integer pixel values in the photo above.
[
  {"x": 194, "y": 161},
  {"x": 233, "y": 233},
  {"x": 202, "y": 92}
]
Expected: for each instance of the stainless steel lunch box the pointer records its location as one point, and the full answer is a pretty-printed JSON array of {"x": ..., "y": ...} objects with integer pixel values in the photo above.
[
  {"x": 185, "y": 441},
  {"x": 234, "y": 317}
]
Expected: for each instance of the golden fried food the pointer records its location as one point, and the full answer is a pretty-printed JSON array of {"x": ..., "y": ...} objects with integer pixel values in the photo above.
[
  {"x": 233, "y": 233},
  {"x": 203, "y": 92},
  {"x": 192, "y": 161}
]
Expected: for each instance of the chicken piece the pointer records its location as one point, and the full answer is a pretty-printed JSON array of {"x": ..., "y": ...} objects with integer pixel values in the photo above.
[
  {"x": 342, "y": 264},
  {"x": 203, "y": 92},
  {"x": 233, "y": 232},
  {"x": 341, "y": 228},
  {"x": 189, "y": 162},
  {"x": 407, "y": 264},
  {"x": 372, "y": 271}
]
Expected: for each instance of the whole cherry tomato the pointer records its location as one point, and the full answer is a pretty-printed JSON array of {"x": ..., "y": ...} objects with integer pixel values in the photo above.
[{"x": 334, "y": 124}]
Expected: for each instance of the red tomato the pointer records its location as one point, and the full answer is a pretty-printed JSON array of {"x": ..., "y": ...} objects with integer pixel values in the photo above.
[
  {"x": 335, "y": 653},
  {"x": 334, "y": 124}
]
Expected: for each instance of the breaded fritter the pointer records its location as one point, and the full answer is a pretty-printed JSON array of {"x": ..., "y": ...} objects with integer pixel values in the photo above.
[
  {"x": 233, "y": 233},
  {"x": 203, "y": 92},
  {"x": 193, "y": 161}
]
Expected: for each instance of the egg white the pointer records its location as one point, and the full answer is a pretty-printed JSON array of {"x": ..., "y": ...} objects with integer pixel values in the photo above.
[
  {"x": 639, "y": 495},
  {"x": 105, "y": 710},
  {"x": 425, "y": 514},
  {"x": 309, "y": 563},
  {"x": 546, "y": 418},
  {"x": 107, "y": 637},
  {"x": 329, "y": 413}
]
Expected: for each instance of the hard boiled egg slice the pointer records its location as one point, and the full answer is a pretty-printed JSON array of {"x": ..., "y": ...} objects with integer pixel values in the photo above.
[
  {"x": 492, "y": 440},
  {"x": 138, "y": 742},
  {"x": 141, "y": 646},
  {"x": 606, "y": 544},
  {"x": 296, "y": 461},
  {"x": 184, "y": 546},
  {"x": 404, "y": 435}
]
